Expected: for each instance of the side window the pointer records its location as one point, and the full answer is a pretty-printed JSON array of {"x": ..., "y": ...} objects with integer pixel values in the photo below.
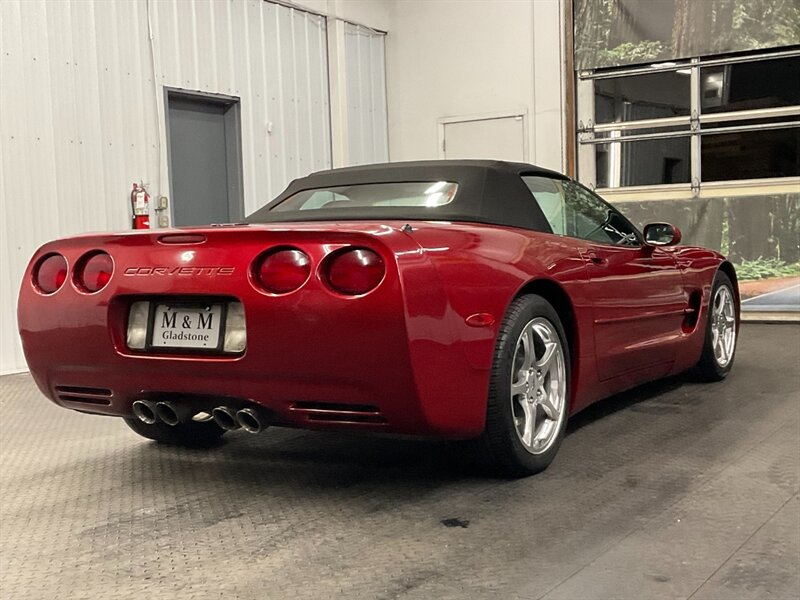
[
  {"x": 572, "y": 210},
  {"x": 589, "y": 218},
  {"x": 550, "y": 198}
]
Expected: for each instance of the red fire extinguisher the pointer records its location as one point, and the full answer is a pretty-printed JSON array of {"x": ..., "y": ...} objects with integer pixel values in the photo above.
[{"x": 140, "y": 201}]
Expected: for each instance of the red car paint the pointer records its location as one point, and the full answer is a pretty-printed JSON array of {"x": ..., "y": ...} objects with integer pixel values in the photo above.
[{"x": 416, "y": 351}]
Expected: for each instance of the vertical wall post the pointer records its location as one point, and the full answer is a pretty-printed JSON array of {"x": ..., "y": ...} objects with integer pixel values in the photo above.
[
  {"x": 570, "y": 134},
  {"x": 337, "y": 78}
]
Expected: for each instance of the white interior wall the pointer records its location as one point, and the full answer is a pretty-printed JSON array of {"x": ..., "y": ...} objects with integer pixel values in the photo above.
[
  {"x": 461, "y": 58},
  {"x": 82, "y": 110}
]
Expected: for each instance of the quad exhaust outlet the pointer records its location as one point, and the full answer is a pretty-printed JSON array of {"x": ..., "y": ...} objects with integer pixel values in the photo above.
[
  {"x": 225, "y": 417},
  {"x": 172, "y": 414},
  {"x": 145, "y": 411},
  {"x": 252, "y": 419}
]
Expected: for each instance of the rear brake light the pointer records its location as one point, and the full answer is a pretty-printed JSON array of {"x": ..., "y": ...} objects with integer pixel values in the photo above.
[
  {"x": 354, "y": 271},
  {"x": 50, "y": 273},
  {"x": 282, "y": 271},
  {"x": 93, "y": 272}
]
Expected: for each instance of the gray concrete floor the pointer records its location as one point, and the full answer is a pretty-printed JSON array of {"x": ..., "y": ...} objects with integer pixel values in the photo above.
[{"x": 674, "y": 490}]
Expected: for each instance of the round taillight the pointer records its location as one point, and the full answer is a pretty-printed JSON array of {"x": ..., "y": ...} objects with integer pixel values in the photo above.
[
  {"x": 50, "y": 273},
  {"x": 355, "y": 271},
  {"x": 93, "y": 272},
  {"x": 283, "y": 271}
]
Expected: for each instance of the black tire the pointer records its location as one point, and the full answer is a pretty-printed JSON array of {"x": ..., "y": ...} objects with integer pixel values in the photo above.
[
  {"x": 507, "y": 454},
  {"x": 709, "y": 367},
  {"x": 193, "y": 434}
]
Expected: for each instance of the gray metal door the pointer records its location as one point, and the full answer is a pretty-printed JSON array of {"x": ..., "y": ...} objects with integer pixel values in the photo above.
[{"x": 205, "y": 163}]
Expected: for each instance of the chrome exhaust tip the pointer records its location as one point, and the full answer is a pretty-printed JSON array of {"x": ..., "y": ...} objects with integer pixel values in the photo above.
[
  {"x": 225, "y": 418},
  {"x": 167, "y": 412},
  {"x": 145, "y": 411},
  {"x": 251, "y": 420}
]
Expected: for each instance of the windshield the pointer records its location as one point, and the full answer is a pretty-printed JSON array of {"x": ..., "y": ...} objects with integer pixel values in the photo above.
[{"x": 369, "y": 195}]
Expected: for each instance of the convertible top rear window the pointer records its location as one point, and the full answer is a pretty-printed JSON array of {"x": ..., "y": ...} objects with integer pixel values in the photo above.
[
  {"x": 473, "y": 191},
  {"x": 371, "y": 195}
]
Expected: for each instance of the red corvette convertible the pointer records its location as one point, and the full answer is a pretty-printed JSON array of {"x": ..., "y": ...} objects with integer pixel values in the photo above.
[{"x": 458, "y": 299}]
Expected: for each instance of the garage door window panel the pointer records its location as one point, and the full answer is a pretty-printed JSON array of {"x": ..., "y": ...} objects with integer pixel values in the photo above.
[
  {"x": 759, "y": 84},
  {"x": 704, "y": 120},
  {"x": 651, "y": 96},
  {"x": 751, "y": 154}
]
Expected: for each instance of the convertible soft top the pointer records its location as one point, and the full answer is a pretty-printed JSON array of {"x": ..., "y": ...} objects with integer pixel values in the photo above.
[{"x": 489, "y": 192}]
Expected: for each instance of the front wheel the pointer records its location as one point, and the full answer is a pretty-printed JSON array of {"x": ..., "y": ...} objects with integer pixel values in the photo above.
[
  {"x": 526, "y": 413},
  {"x": 192, "y": 434},
  {"x": 719, "y": 346}
]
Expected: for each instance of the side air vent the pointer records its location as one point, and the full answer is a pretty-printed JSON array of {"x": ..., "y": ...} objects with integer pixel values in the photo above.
[
  {"x": 84, "y": 395},
  {"x": 692, "y": 312},
  {"x": 340, "y": 413}
]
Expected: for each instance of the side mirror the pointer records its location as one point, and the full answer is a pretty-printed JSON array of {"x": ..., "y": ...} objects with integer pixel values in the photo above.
[{"x": 661, "y": 234}]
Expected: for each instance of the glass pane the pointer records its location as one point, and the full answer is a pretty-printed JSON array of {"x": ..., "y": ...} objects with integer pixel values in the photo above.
[
  {"x": 751, "y": 85},
  {"x": 589, "y": 218},
  {"x": 430, "y": 194},
  {"x": 751, "y": 154},
  {"x": 646, "y": 162},
  {"x": 651, "y": 96},
  {"x": 550, "y": 199}
]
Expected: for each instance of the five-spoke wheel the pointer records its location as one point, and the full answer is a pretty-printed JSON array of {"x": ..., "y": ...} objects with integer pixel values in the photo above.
[
  {"x": 719, "y": 346},
  {"x": 538, "y": 385},
  {"x": 528, "y": 404},
  {"x": 723, "y": 325}
]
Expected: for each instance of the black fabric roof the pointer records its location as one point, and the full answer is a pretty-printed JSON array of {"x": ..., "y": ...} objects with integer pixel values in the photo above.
[{"x": 489, "y": 192}]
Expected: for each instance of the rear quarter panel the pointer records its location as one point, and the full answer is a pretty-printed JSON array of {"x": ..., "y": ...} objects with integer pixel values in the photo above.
[{"x": 481, "y": 269}]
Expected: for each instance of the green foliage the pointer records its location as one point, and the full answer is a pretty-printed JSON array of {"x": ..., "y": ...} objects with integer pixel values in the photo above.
[
  {"x": 700, "y": 27},
  {"x": 632, "y": 53},
  {"x": 763, "y": 24},
  {"x": 763, "y": 268}
]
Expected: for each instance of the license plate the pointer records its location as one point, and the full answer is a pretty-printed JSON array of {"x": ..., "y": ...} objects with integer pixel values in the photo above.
[{"x": 187, "y": 326}]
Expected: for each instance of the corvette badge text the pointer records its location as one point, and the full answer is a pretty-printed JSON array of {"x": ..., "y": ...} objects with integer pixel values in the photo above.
[{"x": 213, "y": 271}]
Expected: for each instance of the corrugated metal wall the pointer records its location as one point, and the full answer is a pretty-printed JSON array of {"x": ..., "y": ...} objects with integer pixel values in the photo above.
[
  {"x": 82, "y": 115},
  {"x": 367, "y": 128}
]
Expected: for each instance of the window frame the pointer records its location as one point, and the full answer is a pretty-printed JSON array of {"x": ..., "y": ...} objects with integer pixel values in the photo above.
[{"x": 587, "y": 140}]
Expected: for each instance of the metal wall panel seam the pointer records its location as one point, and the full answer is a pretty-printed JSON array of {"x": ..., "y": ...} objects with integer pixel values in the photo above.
[{"x": 266, "y": 116}]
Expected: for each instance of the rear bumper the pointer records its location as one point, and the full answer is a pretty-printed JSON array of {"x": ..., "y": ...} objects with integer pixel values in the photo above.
[
  {"x": 346, "y": 373},
  {"x": 292, "y": 402}
]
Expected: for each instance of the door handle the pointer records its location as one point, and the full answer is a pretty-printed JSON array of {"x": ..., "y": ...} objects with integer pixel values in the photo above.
[{"x": 595, "y": 259}]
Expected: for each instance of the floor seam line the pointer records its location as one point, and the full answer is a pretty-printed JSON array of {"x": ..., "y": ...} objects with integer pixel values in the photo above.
[
  {"x": 740, "y": 546},
  {"x": 643, "y": 525}
]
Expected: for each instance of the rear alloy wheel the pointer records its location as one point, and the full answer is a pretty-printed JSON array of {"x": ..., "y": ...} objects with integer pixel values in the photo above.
[
  {"x": 719, "y": 347},
  {"x": 529, "y": 393},
  {"x": 192, "y": 434}
]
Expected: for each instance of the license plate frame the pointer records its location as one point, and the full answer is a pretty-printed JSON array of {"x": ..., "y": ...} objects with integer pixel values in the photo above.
[{"x": 186, "y": 306}]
